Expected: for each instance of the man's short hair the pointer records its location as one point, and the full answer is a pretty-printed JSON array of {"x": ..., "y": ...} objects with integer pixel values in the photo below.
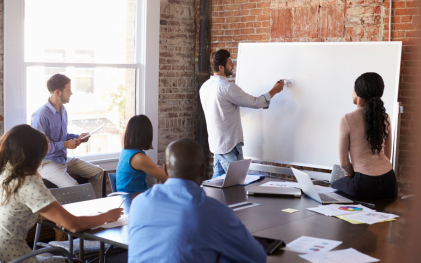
[
  {"x": 219, "y": 58},
  {"x": 57, "y": 81}
]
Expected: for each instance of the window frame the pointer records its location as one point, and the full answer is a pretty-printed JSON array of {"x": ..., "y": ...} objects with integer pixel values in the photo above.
[{"x": 146, "y": 65}]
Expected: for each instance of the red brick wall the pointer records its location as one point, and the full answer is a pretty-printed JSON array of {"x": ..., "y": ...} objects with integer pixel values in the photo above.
[
  {"x": 235, "y": 21},
  {"x": 405, "y": 27},
  {"x": 177, "y": 89}
]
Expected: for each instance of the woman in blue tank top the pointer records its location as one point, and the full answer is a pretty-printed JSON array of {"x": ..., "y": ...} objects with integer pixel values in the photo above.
[{"x": 134, "y": 164}]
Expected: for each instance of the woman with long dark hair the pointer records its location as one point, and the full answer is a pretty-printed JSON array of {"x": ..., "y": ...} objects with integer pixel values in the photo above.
[
  {"x": 134, "y": 164},
  {"x": 365, "y": 137},
  {"x": 23, "y": 195}
]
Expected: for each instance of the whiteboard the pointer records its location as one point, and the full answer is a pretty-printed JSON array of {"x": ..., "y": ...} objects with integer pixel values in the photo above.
[{"x": 301, "y": 125}]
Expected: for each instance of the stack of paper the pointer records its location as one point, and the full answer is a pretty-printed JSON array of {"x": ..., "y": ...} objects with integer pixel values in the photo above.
[
  {"x": 320, "y": 189},
  {"x": 306, "y": 244},
  {"x": 354, "y": 214},
  {"x": 122, "y": 221},
  {"x": 335, "y": 210},
  {"x": 349, "y": 255},
  {"x": 318, "y": 250},
  {"x": 371, "y": 217},
  {"x": 249, "y": 179}
]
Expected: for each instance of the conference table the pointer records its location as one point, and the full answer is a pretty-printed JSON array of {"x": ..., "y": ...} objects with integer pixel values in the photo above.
[{"x": 381, "y": 240}]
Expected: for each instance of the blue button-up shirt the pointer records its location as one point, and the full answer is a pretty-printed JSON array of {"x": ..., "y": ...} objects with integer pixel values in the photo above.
[
  {"x": 54, "y": 125},
  {"x": 177, "y": 222}
]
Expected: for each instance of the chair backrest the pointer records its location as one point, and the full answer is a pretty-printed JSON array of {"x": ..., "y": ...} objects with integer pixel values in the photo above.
[
  {"x": 112, "y": 177},
  {"x": 150, "y": 180},
  {"x": 72, "y": 194}
]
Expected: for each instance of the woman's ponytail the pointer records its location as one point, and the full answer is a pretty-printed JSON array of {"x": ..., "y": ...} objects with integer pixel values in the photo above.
[{"x": 369, "y": 87}]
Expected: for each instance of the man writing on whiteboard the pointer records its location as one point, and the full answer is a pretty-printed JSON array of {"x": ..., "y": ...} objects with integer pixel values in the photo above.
[
  {"x": 51, "y": 119},
  {"x": 221, "y": 101}
]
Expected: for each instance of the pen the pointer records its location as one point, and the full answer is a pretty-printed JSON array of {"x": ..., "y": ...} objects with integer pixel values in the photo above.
[{"x": 122, "y": 202}]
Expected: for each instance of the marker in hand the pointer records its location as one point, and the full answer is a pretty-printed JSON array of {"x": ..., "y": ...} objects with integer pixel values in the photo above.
[{"x": 287, "y": 82}]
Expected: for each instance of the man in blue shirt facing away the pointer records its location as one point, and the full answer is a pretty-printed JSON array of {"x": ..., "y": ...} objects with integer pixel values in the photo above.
[
  {"x": 177, "y": 222},
  {"x": 52, "y": 120}
]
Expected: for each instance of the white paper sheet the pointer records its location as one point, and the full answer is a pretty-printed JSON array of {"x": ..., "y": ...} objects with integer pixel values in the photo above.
[
  {"x": 306, "y": 244},
  {"x": 280, "y": 184},
  {"x": 249, "y": 179},
  {"x": 371, "y": 217},
  {"x": 320, "y": 189},
  {"x": 96, "y": 206},
  {"x": 349, "y": 255},
  {"x": 336, "y": 210},
  {"x": 122, "y": 221}
]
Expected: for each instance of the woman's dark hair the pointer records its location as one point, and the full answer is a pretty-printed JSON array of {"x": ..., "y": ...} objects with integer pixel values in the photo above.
[
  {"x": 23, "y": 147},
  {"x": 139, "y": 133},
  {"x": 370, "y": 86},
  {"x": 57, "y": 81},
  {"x": 219, "y": 58}
]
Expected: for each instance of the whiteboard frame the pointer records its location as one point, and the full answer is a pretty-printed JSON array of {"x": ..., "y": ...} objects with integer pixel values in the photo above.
[{"x": 395, "y": 110}]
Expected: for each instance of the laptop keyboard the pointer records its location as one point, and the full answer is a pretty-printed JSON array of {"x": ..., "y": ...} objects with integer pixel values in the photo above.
[{"x": 327, "y": 198}]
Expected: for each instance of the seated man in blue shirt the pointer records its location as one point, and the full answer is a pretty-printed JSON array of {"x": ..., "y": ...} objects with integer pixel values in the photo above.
[
  {"x": 177, "y": 222},
  {"x": 52, "y": 120}
]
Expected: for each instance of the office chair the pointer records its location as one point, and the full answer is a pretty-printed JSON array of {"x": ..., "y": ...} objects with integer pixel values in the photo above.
[{"x": 150, "y": 180}]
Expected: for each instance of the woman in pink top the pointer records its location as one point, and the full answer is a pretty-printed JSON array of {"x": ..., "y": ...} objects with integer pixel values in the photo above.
[{"x": 365, "y": 137}]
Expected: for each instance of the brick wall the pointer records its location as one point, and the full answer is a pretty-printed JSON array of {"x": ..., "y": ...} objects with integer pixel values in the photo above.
[
  {"x": 235, "y": 21},
  {"x": 177, "y": 89},
  {"x": 405, "y": 27}
]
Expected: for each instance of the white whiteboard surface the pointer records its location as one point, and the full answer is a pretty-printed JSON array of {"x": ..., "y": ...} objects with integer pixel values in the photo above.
[{"x": 301, "y": 125}]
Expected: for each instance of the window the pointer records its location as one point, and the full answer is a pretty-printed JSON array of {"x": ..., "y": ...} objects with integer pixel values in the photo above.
[{"x": 101, "y": 46}]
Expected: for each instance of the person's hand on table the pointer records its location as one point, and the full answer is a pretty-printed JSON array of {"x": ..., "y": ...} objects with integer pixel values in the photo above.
[
  {"x": 114, "y": 214},
  {"x": 83, "y": 135},
  {"x": 72, "y": 144}
]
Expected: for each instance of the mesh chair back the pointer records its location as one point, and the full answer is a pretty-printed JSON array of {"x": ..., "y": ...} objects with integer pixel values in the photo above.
[
  {"x": 150, "y": 180},
  {"x": 113, "y": 178},
  {"x": 72, "y": 194}
]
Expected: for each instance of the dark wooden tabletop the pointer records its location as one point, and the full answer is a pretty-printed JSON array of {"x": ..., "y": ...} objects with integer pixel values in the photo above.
[{"x": 381, "y": 240}]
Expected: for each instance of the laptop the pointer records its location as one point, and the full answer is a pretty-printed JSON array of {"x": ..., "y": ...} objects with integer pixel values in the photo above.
[
  {"x": 337, "y": 173},
  {"x": 308, "y": 188},
  {"x": 236, "y": 174},
  {"x": 274, "y": 191}
]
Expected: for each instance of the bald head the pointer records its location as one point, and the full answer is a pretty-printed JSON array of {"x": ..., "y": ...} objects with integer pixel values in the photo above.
[{"x": 184, "y": 159}]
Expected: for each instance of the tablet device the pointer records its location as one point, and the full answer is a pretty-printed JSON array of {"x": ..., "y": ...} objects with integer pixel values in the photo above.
[
  {"x": 270, "y": 245},
  {"x": 92, "y": 132}
]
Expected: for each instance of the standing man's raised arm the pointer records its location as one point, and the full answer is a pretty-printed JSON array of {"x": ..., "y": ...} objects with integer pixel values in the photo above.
[{"x": 237, "y": 96}]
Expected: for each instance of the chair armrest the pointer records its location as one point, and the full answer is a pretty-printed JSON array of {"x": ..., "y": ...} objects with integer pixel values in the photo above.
[
  {"x": 44, "y": 250},
  {"x": 117, "y": 193}
]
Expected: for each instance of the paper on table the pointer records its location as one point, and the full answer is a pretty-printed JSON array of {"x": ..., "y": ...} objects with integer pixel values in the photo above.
[
  {"x": 306, "y": 244},
  {"x": 371, "y": 217},
  {"x": 249, "y": 179},
  {"x": 96, "y": 206},
  {"x": 355, "y": 222},
  {"x": 349, "y": 255},
  {"x": 334, "y": 209},
  {"x": 280, "y": 184},
  {"x": 122, "y": 221},
  {"x": 320, "y": 189}
]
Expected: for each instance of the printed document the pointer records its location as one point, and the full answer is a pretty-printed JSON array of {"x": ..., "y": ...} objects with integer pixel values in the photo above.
[
  {"x": 349, "y": 255},
  {"x": 306, "y": 244},
  {"x": 320, "y": 189},
  {"x": 336, "y": 210},
  {"x": 371, "y": 217}
]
